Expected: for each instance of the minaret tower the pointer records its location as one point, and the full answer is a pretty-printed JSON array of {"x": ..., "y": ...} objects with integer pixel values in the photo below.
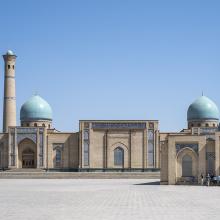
[{"x": 9, "y": 111}]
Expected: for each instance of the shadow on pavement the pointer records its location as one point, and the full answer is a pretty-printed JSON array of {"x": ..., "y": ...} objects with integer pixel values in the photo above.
[{"x": 156, "y": 183}]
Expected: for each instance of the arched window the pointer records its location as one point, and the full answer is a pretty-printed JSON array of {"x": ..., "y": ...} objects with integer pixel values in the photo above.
[
  {"x": 213, "y": 125},
  {"x": 199, "y": 125},
  {"x": 58, "y": 158},
  {"x": 207, "y": 125},
  {"x": 118, "y": 156},
  {"x": 43, "y": 125},
  {"x": 192, "y": 125},
  {"x": 35, "y": 124},
  {"x": 187, "y": 166}
]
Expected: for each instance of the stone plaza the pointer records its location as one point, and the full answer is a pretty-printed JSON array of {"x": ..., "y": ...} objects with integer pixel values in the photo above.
[{"x": 105, "y": 199}]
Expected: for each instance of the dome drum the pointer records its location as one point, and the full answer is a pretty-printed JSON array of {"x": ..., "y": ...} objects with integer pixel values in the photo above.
[
  {"x": 40, "y": 123},
  {"x": 206, "y": 123}
]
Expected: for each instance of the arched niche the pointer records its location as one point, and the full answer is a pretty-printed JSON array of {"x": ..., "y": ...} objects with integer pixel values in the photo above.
[
  {"x": 118, "y": 148},
  {"x": 186, "y": 159},
  {"x": 27, "y": 154}
]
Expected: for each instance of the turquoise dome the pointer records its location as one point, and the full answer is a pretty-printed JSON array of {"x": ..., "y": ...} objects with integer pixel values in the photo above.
[
  {"x": 35, "y": 108},
  {"x": 203, "y": 109}
]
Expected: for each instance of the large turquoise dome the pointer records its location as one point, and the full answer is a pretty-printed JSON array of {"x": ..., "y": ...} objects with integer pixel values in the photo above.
[
  {"x": 36, "y": 108},
  {"x": 203, "y": 109}
]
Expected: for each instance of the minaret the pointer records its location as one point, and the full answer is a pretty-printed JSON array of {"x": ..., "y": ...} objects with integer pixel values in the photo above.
[{"x": 9, "y": 111}]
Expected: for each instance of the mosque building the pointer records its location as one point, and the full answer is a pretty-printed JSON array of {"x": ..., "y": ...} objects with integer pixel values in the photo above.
[
  {"x": 195, "y": 151},
  {"x": 131, "y": 145},
  {"x": 108, "y": 145}
]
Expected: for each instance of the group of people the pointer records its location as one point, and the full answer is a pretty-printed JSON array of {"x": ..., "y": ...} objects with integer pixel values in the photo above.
[{"x": 207, "y": 180}]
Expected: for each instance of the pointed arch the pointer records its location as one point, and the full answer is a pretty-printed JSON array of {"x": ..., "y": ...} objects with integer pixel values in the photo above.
[
  {"x": 187, "y": 163},
  {"x": 119, "y": 156},
  {"x": 27, "y": 154}
]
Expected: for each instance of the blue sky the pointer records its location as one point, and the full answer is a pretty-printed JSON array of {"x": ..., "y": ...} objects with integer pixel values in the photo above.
[{"x": 113, "y": 59}]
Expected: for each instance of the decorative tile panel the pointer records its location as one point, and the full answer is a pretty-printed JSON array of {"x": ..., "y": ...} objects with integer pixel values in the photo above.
[
  {"x": 181, "y": 146},
  {"x": 208, "y": 130},
  {"x": 100, "y": 125},
  {"x": 32, "y": 137}
]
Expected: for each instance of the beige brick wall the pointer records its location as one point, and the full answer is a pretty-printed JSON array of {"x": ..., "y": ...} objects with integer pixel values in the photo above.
[
  {"x": 164, "y": 163},
  {"x": 70, "y": 152},
  {"x": 137, "y": 149},
  {"x": 96, "y": 149}
]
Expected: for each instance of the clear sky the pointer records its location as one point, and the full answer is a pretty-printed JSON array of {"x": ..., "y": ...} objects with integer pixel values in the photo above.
[{"x": 113, "y": 59}]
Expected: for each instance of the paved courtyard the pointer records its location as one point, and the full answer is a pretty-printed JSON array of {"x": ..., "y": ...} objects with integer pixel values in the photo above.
[{"x": 105, "y": 199}]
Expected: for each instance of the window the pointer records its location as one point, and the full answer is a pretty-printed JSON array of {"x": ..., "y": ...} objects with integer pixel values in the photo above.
[
  {"x": 86, "y": 135},
  {"x": 13, "y": 67},
  {"x": 86, "y": 147},
  {"x": 192, "y": 125},
  {"x": 35, "y": 124},
  {"x": 9, "y": 66},
  {"x": 58, "y": 149},
  {"x": 43, "y": 125},
  {"x": 86, "y": 153},
  {"x": 207, "y": 125},
  {"x": 58, "y": 158},
  {"x": 187, "y": 166},
  {"x": 27, "y": 124},
  {"x": 118, "y": 156},
  {"x": 210, "y": 162},
  {"x": 213, "y": 125},
  {"x": 48, "y": 126},
  {"x": 150, "y": 151},
  {"x": 199, "y": 125}
]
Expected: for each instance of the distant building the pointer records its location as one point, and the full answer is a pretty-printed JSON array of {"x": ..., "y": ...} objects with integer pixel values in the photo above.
[
  {"x": 98, "y": 145},
  {"x": 195, "y": 151}
]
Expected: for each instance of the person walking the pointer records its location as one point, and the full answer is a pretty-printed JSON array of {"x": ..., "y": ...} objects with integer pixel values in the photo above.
[
  {"x": 208, "y": 179},
  {"x": 202, "y": 179}
]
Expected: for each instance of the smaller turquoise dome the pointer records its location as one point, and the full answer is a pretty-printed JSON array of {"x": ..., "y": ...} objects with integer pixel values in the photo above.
[
  {"x": 36, "y": 108},
  {"x": 9, "y": 52},
  {"x": 203, "y": 109}
]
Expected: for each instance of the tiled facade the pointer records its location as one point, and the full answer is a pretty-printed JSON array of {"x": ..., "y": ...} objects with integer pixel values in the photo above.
[
  {"x": 107, "y": 144},
  {"x": 97, "y": 145}
]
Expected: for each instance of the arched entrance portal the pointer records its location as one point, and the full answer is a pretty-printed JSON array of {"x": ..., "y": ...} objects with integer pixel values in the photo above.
[
  {"x": 27, "y": 152},
  {"x": 28, "y": 159},
  {"x": 187, "y": 164}
]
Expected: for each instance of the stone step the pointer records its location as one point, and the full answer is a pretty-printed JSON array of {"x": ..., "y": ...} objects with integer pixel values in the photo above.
[
  {"x": 78, "y": 175},
  {"x": 23, "y": 170}
]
